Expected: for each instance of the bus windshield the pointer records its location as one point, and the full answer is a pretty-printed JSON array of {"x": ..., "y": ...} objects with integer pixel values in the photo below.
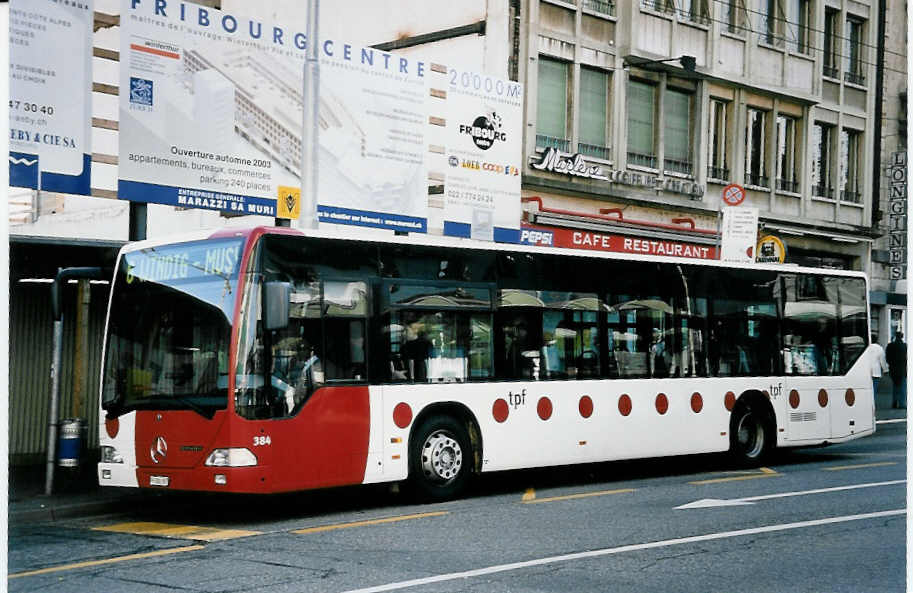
[{"x": 169, "y": 328}]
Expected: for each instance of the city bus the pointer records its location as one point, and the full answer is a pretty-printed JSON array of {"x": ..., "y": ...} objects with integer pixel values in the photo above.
[{"x": 275, "y": 360}]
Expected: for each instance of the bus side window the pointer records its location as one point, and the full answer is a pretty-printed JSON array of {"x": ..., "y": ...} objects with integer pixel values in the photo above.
[{"x": 345, "y": 311}]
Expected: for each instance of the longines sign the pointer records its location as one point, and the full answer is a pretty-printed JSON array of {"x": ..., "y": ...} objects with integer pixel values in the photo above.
[{"x": 573, "y": 165}]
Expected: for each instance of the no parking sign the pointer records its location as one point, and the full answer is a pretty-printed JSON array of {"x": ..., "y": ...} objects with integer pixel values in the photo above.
[{"x": 733, "y": 194}]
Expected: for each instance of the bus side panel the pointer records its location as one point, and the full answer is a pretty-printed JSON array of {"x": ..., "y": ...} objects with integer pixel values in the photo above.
[{"x": 326, "y": 443}]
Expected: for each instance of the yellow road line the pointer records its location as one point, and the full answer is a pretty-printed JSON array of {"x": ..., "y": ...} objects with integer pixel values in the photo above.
[
  {"x": 766, "y": 472},
  {"x": 838, "y": 468},
  {"x": 206, "y": 534},
  {"x": 529, "y": 495},
  {"x": 581, "y": 495},
  {"x": 106, "y": 561},
  {"x": 323, "y": 528}
]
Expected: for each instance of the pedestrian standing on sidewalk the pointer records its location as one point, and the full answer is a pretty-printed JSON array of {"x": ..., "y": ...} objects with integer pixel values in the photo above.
[
  {"x": 878, "y": 363},
  {"x": 896, "y": 354}
]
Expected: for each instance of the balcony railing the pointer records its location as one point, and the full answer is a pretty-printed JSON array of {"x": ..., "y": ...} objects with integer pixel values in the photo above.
[
  {"x": 642, "y": 160},
  {"x": 830, "y": 71},
  {"x": 787, "y": 185},
  {"x": 721, "y": 173},
  {"x": 657, "y": 5},
  {"x": 678, "y": 166},
  {"x": 757, "y": 180},
  {"x": 606, "y": 7},
  {"x": 562, "y": 144},
  {"x": 821, "y": 191},
  {"x": 854, "y": 78},
  {"x": 600, "y": 152}
]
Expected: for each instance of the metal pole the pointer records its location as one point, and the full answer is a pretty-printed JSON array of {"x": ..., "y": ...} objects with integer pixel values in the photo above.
[
  {"x": 55, "y": 402},
  {"x": 309, "y": 129}
]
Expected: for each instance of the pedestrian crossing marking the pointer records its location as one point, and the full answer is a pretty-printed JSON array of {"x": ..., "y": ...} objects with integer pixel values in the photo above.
[{"x": 175, "y": 531}]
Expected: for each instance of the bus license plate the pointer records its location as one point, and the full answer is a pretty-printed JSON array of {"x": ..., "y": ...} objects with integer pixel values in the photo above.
[{"x": 158, "y": 480}]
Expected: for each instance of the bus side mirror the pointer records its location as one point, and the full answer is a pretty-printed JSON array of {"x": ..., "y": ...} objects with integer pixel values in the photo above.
[{"x": 276, "y": 304}]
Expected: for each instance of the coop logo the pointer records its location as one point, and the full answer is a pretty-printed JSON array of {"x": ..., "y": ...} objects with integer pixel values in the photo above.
[
  {"x": 534, "y": 237},
  {"x": 485, "y": 130}
]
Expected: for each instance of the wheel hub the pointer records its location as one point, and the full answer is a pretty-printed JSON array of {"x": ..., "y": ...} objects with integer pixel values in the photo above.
[{"x": 442, "y": 457}]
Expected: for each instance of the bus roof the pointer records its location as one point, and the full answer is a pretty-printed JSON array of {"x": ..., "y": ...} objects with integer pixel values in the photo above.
[{"x": 425, "y": 240}]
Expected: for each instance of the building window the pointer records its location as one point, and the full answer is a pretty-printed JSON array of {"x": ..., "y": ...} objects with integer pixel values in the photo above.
[
  {"x": 787, "y": 178},
  {"x": 677, "y": 132},
  {"x": 667, "y": 6},
  {"x": 830, "y": 43},
  {"x": 822, "y": 136},
  {"x": 798, "y": 26},
  {"x": 850, "y": 143},
  {"x": 606, "y": 7},
  {"x": 641, "y": 124},
  {"x": 772, "y": 20},
  {"x": 733, "y": 15},
  {"x": 854, "y": 71},
  {"x": 719, "y": 127},
  {"x": 756, "y": 148},
  {"x": 591, "y": 116},
  {"x": 695, "y": 11},
  {"x": 551, "y": 107}
]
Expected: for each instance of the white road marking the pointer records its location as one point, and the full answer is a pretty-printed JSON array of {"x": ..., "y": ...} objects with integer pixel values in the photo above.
[
  {"x": 621, "y": 549},
  {"x": 891, "y": 421},
  {"x": 717, "y": 502}
]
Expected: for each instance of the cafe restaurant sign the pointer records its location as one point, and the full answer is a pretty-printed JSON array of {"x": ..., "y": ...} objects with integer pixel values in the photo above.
[{"x": 574, "y": 165}]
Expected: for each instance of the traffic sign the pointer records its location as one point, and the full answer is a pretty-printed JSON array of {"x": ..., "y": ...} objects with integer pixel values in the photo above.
[{"x": 733, "y": 194}]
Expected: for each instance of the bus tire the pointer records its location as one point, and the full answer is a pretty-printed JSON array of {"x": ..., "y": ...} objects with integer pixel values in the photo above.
[
  {"x": 751, "y": 434},
  {"x": 441, "y": 458}
]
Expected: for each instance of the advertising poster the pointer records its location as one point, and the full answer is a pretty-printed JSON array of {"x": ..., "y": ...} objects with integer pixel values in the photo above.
[
  {"x": 50, "y": 99},
  {"x": 484, "y": 149},
  {"x": 739, "y": 235},
  {"x": 211, "y": 117}
]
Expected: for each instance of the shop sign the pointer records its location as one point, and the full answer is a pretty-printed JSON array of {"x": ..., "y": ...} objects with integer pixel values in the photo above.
[
  {"x": 897, "y": 216},
  {"x": 771, "y": 250},
  {"x": 579, "y": 239},
  {"x": 574, "y": 165}
]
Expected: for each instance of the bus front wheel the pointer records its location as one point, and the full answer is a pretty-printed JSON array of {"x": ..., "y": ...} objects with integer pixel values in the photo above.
[
  {"x": 440, "y": 458},
  {"x": 750, "y": 434}
]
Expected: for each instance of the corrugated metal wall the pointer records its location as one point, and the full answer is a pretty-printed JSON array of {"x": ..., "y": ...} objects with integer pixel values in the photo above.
[{"x": 31, "y": 341}]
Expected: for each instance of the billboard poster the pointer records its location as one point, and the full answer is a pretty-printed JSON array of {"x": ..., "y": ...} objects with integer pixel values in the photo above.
[
  {"x": 50, "y": 95},
  {"x": 739, "y": 234},
  {"x": 211, "y": 117},
  {"x": 484, "y": 147}
]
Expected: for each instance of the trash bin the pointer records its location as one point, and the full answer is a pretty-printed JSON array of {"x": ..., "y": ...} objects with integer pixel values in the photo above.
[{"x": 69, "y": 444}]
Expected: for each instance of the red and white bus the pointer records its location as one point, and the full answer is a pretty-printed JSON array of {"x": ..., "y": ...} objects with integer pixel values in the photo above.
[{"x": 272, "y": 360}]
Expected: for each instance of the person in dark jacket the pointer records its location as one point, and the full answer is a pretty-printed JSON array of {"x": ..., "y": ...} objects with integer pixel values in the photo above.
[{"x": 896, "y": 354}]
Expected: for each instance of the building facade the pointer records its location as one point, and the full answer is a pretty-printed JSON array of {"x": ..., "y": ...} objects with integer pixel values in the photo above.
[{"x": 663, "y": 103}]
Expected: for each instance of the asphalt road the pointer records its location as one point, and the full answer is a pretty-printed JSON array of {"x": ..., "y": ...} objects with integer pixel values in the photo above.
[{"x": 829, "y": 519}]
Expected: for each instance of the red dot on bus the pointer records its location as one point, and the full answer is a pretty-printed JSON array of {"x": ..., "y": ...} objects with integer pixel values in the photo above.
[
  {"x": 544, "y": 407},
  {"x": 729, "y": 401},
  {"x": 850, "y": 397},
  {"x": 500, "y": 410},
  {"x": 662, "y": 403},
  {"x": 794, "y": 399},
  {"x": 697, "y": 402},
  {"x": 112, "y": 426},
  {"x": 624, "y": 404},
  {"x": 402, "y": 415},
  {"x": 586, "y": 406},
  {"x": 822, "y": 398}
]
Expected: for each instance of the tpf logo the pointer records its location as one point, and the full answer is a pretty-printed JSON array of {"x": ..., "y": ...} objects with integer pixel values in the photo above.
[{"x": 485, "y": 130}]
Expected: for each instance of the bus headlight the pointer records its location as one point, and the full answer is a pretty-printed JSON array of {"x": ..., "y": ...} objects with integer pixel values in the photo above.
[
  {"x": 110, "y": 455},
  {"x": 234, "y": 457}
]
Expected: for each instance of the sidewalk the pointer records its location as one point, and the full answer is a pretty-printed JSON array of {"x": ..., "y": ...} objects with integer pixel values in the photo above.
[{"x": 76, "y": 492}]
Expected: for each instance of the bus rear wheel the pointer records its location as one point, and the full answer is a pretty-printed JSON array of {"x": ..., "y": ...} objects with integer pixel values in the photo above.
[
  {"x": 750, "y": 435},
  {"x": 440, "y": 458}
]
